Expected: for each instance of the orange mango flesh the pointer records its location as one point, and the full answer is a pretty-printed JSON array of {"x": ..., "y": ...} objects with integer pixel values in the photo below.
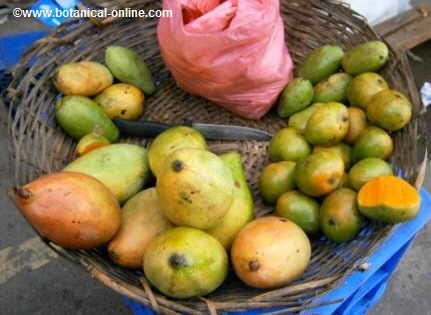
[{"x": 389, "y": 191}]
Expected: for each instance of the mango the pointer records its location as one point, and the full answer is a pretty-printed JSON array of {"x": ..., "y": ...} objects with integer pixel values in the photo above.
[
  {"x": 299, "y": 120},
  {"x": 357, "y": 124},
  {"x": 122, "y": 100},
  {"x": 340, "y": 219},
  {"x": 328, "y": 125},
  {"x": 390, "y": 110},
  {"x": 242, "y": 209},
  {"x": 299, "y": 209},
  {"x": 319, "y": 174},
  {"x": 85, "y": 78},
  {"x": 141, "y": 221},
  {"x": 364, "y": 87},
  {"x": 389, "y": 199},
  {"x": 184, "y": 262},
  {"x": 297, "y": 95},
  {"x": 123, "y": 168},
  {"x": 367, "y": 169},
  {"x": 171, "y": 140},
  {"x": 73, "y": 210},
  {"x": 373, "y": 142},
  {"x": 128, "y": 67},
  {"x": 345, "y": 182},
  {"x": 321, "y": 63},
  {"x": 91, "y": 142},
  {"x": 276, "y": 179},
  {"x": 333, "y": 89},
  {"x": 270, "y": 252},
  {"x": 288, "y": 145},
  {"x": 195, "y": 188},
  {"x": 342, "y": 149},
  {"x": 367, "y": 57},
  {"x": 79, "y": 116}
]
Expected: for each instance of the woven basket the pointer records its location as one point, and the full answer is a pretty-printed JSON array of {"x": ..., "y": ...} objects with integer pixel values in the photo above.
[{"x": 38, "y": 146}]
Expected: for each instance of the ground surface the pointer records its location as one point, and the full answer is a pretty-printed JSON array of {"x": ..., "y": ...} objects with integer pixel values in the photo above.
[{"x": 32, "y": 281}]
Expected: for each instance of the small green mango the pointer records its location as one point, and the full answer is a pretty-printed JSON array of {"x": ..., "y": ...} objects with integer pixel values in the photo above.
[
  {"x": 299, "y": 120},
  {"x": 276, "y": 179},
  {"x": 128, "y": 67},
  {"x": 364, "y": 87},
  {"x": 321, "y": 63},
  {"x": 373, "y": 142},
  {"x": 367, "y": 169},
  {"x": 297, "y": 95},
  {"x": 328, "y": 125},
  {"x": 79, "y": 116},
  {"x": 333, "y": 89},
  {"x": 288, "y": 145},
  {"x": 367, "y": 57}
]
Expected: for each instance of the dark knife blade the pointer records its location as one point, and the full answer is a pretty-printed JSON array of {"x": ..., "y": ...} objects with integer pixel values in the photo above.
[{"x": 150, "y": 129}]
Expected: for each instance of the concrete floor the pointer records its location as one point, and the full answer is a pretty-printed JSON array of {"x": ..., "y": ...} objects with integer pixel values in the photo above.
[{"x": 33, "y": 281}]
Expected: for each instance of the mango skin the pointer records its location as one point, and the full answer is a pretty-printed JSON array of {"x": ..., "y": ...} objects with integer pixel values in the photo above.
[
  {"x": 300, "y": 209},
  {"x": 340, "y": 219},
  {"x": 299, "y": 120},
  {"x": 276, "y": 179},
  {"x": 321, "y": 63},
  {"x": 342, "y": 149},
  {"x": 123, "y": 168},
  {"x": 242, "y": 209},
  {"x": 184, "y": 262},
  {"x": 71, "y": 209},
  {"x": 91, "y": 142},
  {"x": 79, "y": 116},
  {"x": 367, "y": 57},
  {"x": 363, "y": 87},
  {"x": 171, "y": 140},
  {"x": 270, "y": 252},
  {"x": 373, "y": 142},
  {"x": 288, "y": 145},
  {"x": 328, "y": 125},
  {"x": 195, "y": 188},
  {"x": 122, "y": 100},
  {"x": 128, "y": 67},
  {"x": 367, "y": 169},
  {"x": 357, "y": 124},
  {"x": 333, "y": 89},
  {"x": 319, "y": 174},
  {"x": 141, "y": 222},
  {"x": 390, "y": 110},
  {"x": 85, "y": 78},
  {"x": 297, "y": 95}
]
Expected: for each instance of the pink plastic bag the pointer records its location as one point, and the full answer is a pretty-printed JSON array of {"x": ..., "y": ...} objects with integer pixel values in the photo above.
[{"x": 230, "y": 52}]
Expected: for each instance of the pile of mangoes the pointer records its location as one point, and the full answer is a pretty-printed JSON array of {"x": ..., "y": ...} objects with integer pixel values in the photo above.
[
  {"x": 341, "y": 114},
  {"x": 180, "y": 228}
]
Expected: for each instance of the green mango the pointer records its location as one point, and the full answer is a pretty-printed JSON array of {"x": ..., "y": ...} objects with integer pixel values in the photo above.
[
  {"x": 123, "y": 168},
  {"x": 342, "y": 149},
  {"x": 340, "y": 219},
  {"x": 297, "y": 95},
  {"x": 364, "y": 87},
  {"x": 328, "y": 125},
  {"x": 242, "y": 209},
  {"x": 373, "y": 142},
  {"x": 390, "y": 110},
  {"x": 301, "y": 209},
  {"x": 276, "y": 179},
  {"x": 288, "y": 145},
  {"x": 79, "y": 116},
  {"x": 367, "y": 57},
  {"x": 333, "y": 89},
  {"x": 321, "y": 63},
  {"x": 128, "y": 67},
  {"x": 367, "y": 169},
  {"x": 299, "y": 120}
]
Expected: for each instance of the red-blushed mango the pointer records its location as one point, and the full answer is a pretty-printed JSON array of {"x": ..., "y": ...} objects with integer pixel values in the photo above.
[{"x": 71, "y": 209}]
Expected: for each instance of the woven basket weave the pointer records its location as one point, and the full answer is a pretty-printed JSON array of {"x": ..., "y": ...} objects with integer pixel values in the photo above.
[{"x": 38, "y": 146}]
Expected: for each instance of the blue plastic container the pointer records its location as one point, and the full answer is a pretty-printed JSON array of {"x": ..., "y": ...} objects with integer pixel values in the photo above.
[{"x": 359, "y": 292}]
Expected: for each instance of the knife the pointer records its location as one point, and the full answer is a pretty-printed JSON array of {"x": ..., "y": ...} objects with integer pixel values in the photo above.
[{"x": 150, "y": 129}]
